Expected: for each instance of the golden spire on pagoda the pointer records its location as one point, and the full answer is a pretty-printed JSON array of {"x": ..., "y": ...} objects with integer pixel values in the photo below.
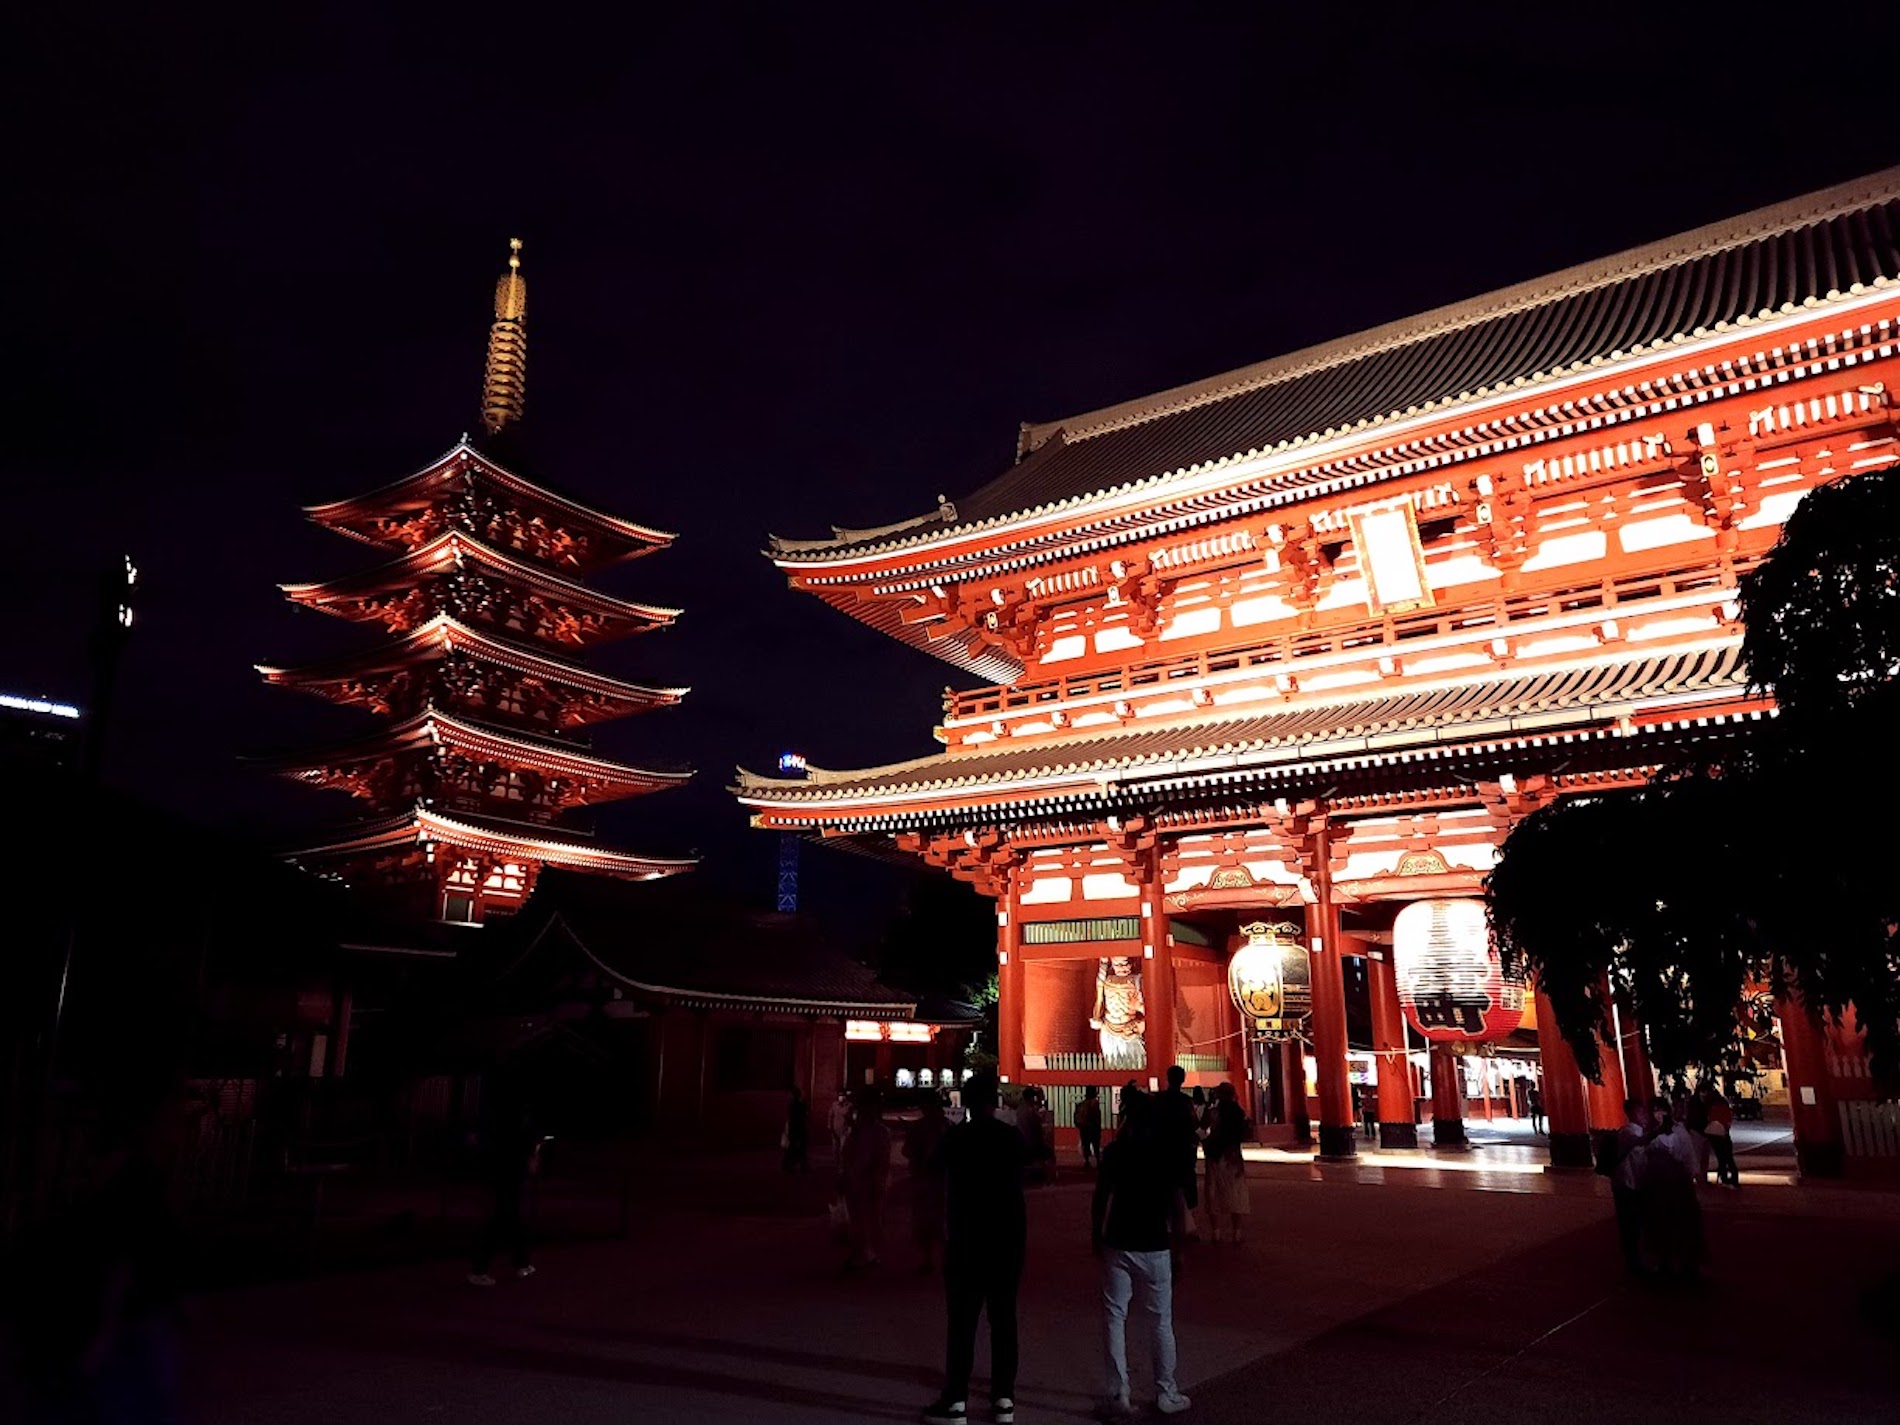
[{"x": 505, "y": 385}]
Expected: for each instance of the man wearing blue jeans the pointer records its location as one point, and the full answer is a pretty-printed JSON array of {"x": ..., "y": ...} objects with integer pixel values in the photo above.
[{"x": 1137, "y": 1221}]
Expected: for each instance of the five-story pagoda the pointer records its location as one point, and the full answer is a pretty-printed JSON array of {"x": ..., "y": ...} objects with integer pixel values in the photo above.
[{"x": 479, "y": 676}]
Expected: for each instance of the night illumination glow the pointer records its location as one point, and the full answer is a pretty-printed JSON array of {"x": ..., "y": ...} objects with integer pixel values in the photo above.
[
  {"x": 1452, "y": 985},
  {"x": 1386, "y": 538},
  {"x": 37, "y": 705},
  {"x": 872, "y": 1031}
]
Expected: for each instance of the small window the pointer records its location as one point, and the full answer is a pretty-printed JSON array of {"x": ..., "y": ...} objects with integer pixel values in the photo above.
[
  {"x": 926, "y": 1079},
  {"x": 459, "y": 907},
  {"x": 905, "y": 1079}
]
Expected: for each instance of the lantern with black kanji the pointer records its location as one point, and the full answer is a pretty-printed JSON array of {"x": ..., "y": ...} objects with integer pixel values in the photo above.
[
  {"x": 1271, "y": 980},
  {"x": 1452, "y": 983}
]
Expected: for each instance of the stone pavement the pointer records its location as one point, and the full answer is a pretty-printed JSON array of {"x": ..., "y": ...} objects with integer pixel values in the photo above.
[{"x": 1429, "y": 1296}]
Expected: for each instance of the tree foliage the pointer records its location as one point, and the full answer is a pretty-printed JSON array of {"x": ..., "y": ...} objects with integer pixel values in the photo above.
[
  {"x": 1772, "y": 865},
  {"x": 1648, "y": 891},
  {"x": 1821, "y": 616},
  {"x": 942, "y": 942}
]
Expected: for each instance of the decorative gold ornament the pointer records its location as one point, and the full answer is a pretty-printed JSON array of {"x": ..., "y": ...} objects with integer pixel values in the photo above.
[{"x": 505, "y": 384}]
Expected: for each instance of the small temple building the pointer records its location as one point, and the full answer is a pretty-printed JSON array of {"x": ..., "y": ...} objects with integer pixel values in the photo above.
[
  {"x": 484, "y": 619},
  {"x": 692, "y": 1017},
  {"x": 1268, "y": 658}
]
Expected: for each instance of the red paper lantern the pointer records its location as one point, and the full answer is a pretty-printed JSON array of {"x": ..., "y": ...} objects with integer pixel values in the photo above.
[{"x": 1452, "y": 984}]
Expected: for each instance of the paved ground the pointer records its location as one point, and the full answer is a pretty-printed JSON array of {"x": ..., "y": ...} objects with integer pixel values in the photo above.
[{"x": 1364, "y": 1293}]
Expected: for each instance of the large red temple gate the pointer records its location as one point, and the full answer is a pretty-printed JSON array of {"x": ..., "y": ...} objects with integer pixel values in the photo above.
[{"x": 1302, "y": 642}]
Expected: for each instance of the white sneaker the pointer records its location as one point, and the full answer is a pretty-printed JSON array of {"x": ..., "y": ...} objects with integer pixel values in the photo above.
[
  {"x": 527, "y": 1271},
  {"x": 480, "y": 1279},
  {"x": 1003, "y": 1410},
  {"x": 1173, "y": 1403}
]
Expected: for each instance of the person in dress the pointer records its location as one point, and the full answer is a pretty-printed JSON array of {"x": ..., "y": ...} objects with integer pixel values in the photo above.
[
  {"x": 839, "y": 1121},
  {"x": 1088, "y": 1124},
  {"x": 1673, "y": 1213},
  {"x": 1036, "y": 1148},
  {"x": 796, "y": 1139},
  {"x": 511, "y": 1155},
  {"x": 865, "y": 1176},
  {"x": 921, "y": 1143},
  {"x": 1129, "y": 1093},
  {"x": 1720, "y": 1121},
  {"x": 1695, "y": 1114},
  {"x": 1628, "y": 1182},
  {"x": 1227, "y": 1198}
]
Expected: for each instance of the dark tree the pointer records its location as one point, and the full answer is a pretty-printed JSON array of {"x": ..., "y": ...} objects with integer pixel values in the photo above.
[
  {"x": 1774, "y": 865},
  {"x": 943, "y": 942},
  {"x": 1821, "y": 616},
  {"x": 1649, "y": 890}
]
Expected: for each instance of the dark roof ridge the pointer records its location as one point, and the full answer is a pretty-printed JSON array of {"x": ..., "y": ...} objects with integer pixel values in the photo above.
[{"x": 1794, "y": 213}]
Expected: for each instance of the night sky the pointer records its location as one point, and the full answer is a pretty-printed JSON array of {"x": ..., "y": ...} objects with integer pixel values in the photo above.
[{"x": 788, "y": 266}]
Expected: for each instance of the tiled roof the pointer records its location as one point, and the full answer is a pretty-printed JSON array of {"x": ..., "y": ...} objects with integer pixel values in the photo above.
[
  {"x": 1523, "y": 705},
  {"x": 553, "y": 845},
  {"x": 686, "y": 945},
  {"x": 443, "y": 633},
  {"x": 1776, "y": 260},
  {"x": 448, "y": 551},
  {"x": 422, "y": 485},
  {"x": 432, "y": 728}
]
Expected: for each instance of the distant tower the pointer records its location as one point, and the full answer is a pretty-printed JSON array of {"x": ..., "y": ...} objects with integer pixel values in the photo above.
[
  {"x": 792, "y": 764},
  {"x": 479, "y": 679}
]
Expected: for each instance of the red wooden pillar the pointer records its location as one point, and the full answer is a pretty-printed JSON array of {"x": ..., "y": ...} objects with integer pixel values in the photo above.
[
  {"x": 1157, "y": 987},
  {"x": 1565, "y": 1107},
  {"x": 1009, "y": 983},
  {"x": 1239, "y": 1052},
  {"x": 1448, "y": 1097},
  {"x": 1818, "y": 1148},
  {"x": 1606, "y": 1095},
  {"x": 1639, "y": 1078},
  {"x": 1398, "y": 1109},
  {"x": 1338, "y": 1133},
  {"x": 1293, "y": 1089}
]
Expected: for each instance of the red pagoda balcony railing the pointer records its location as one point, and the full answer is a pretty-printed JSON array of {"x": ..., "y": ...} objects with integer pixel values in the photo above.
[{"x": 1459, "y": 624}]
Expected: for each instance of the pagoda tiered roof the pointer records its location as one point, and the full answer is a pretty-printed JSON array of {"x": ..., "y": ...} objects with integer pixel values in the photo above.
[
  {"x": 490, "y": 838},
  {"x": 562, "y": 532},
  {"x": 442, "y": 636},
  {"x": 349, "y": 596},
  {"x": 1302, "y": 740},
  {"x": 433, "y": 729},
  {"x": 482, "y": 615},
  {"x": 1756, "y": 271}
]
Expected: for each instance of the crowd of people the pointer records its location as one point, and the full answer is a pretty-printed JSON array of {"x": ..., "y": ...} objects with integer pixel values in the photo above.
[
  {"x": 1655, "y": 1164},
  {"x": 966, "y": 1186}
]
